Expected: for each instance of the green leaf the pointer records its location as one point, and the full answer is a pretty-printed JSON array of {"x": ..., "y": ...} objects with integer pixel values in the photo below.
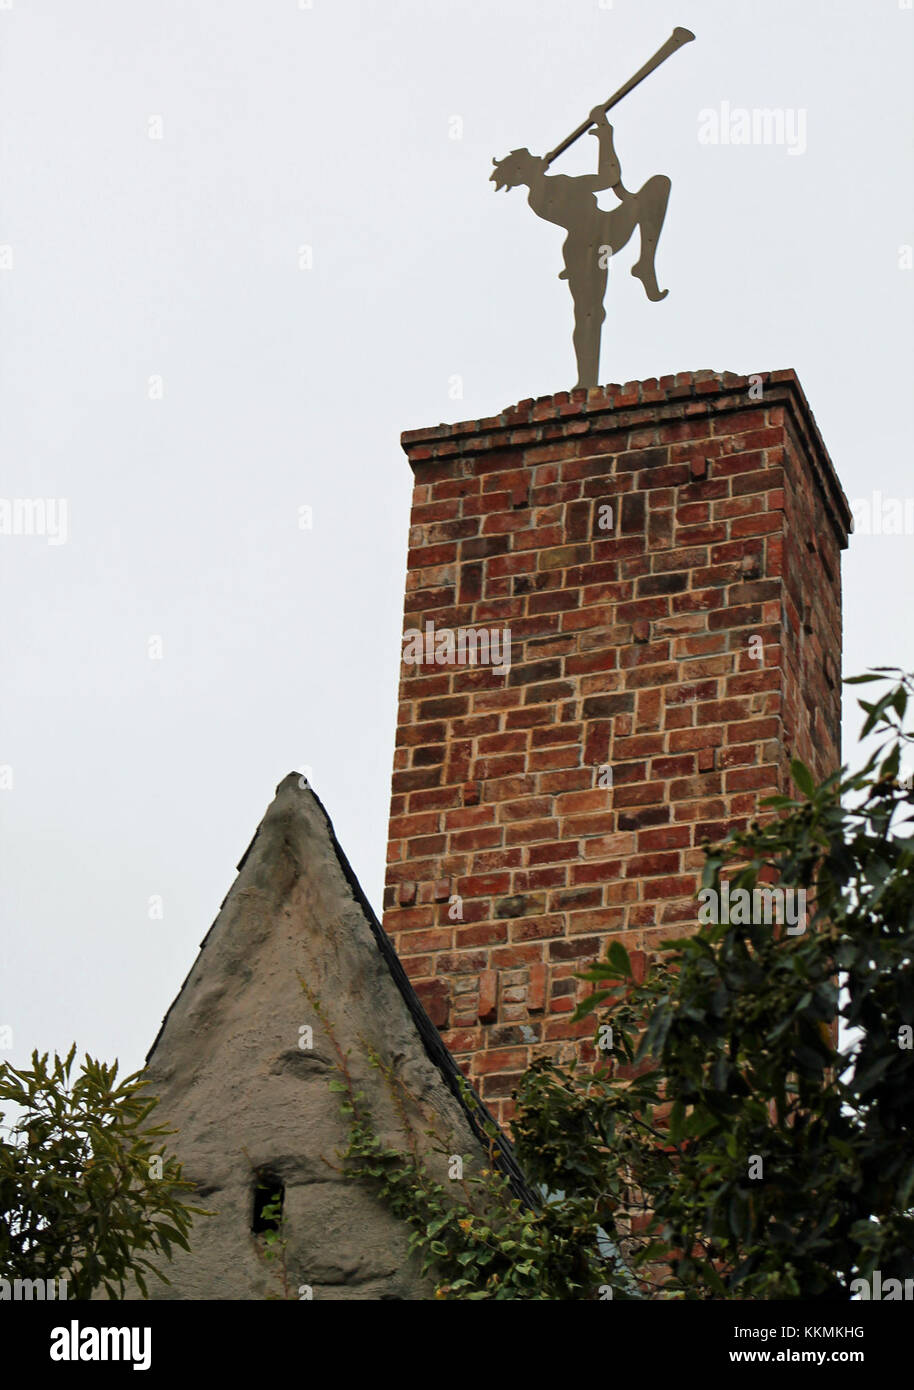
[
  {"x": 618, "y": 958},
  {"x": 803, "y": 778}
]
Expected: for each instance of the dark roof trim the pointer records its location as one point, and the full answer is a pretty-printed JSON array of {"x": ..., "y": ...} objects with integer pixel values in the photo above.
[{"x": 477, "y": 1113}]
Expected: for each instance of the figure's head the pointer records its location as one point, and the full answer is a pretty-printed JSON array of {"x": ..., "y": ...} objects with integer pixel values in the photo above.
[{"x": 520, "y": 166}]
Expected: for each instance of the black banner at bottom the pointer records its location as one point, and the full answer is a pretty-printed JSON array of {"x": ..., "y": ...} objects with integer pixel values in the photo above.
[{"x": 63, "y": 1340}]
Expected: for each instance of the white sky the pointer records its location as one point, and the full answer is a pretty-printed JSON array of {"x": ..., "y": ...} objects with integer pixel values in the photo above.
[{"x": 284, "y": 126}]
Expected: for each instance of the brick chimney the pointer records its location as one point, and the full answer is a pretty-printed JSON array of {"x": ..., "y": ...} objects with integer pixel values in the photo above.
[{"x": 666, "y": 558}]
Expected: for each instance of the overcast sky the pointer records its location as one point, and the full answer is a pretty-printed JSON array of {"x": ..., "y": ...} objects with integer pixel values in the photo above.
[{"x": 245, "y": 243}]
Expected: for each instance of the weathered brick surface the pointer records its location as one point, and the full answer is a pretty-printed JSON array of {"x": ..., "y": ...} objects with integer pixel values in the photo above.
[{"x": 666, "y": 556}]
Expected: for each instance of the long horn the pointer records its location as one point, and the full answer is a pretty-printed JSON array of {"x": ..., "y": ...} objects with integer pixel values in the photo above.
[{"x": 674, "y": 42}]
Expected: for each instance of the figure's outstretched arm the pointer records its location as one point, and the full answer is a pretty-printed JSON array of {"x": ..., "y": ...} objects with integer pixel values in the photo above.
[{"x": 609, "y": 172}]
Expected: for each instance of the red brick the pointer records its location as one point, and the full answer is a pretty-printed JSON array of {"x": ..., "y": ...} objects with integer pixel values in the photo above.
[
  {"x": 482, "y": 934},
  {"x": 536, "y": 990},
  {"x": 501, "y": 1059},
  {"x": 435, "y": 997},
  {"x": 488, "y": 996},
  {"x": 508, "y": 957},
  {"x": 630, "y": 650},
  {"x": 485, "y": 837}
]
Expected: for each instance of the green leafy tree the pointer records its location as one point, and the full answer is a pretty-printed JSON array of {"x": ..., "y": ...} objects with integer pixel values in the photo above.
[
  {"x": 735, "y": 1142},
  {"x": 86, "y": 1191},
  {"x": 741, "y": 1147}
]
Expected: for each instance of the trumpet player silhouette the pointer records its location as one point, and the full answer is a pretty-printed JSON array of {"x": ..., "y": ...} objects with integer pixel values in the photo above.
[{"x": 594, "y": 235}]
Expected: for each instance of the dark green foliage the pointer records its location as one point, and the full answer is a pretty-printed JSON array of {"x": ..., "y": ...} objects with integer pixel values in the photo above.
[
  {"x": 786, "y": 1167},
  {"x": 476, "y": 1239},
  {"x": 86, "y": 1192}
]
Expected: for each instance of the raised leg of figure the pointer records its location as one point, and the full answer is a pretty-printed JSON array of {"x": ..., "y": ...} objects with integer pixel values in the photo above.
[{"x": 651, "y": 204}]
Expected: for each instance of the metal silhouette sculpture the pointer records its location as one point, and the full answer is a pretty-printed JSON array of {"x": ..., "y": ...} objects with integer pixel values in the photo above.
[{"x": 595, "y": 235}]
